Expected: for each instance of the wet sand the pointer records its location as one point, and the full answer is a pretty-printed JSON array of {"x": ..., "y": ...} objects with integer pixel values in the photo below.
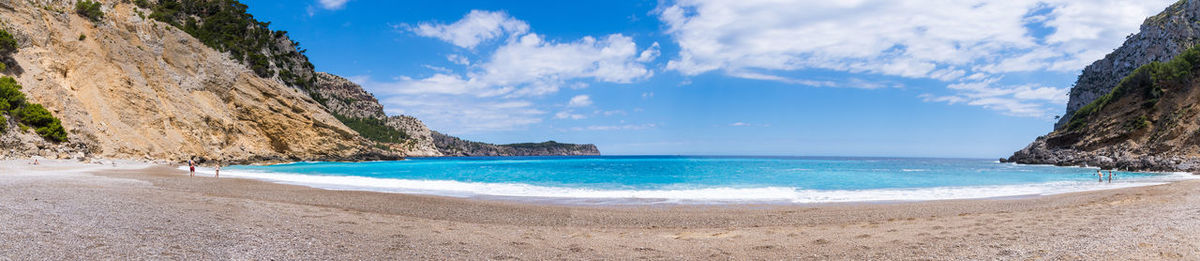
[{"x": 160, "y": 213}]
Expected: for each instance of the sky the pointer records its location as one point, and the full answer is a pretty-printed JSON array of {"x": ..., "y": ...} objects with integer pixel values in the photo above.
[{"x": 893, "y": 78}]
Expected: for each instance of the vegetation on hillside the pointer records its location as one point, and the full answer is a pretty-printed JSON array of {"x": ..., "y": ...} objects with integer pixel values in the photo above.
[
  {"x": 1151, "y": 81},
  {"x": 224, "y": 25},
  {"x": 89, "y": 9},
  {"x": 8, "y": 46},
  {"x": 32, "y": 115},
  {"x": 374, "y": 129}
]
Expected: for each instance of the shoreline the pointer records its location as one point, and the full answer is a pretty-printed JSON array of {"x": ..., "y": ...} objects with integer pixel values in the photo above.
[
  {"x": 715, "y": 196},
  {"x": 159, "y": 212}
]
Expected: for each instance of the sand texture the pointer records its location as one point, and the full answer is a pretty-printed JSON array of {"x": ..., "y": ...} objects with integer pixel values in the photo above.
[{"x": 105, "y": 212}]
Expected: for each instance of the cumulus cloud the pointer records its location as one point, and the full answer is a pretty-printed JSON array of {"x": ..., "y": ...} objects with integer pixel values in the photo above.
[
  {"x": 476, "y": 27},
  {"x": 332, "y": 4},
  {"x": 1020, "y": 100},
  {"x": 580, "y": 101},
  {"x": 520, "y": 66},
  {"x": 952, "y": 41}
]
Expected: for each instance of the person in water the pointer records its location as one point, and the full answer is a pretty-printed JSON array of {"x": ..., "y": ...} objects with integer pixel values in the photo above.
[
  {"x": 1100, "y": 175},
  {"x": 1110, "y": 174}
]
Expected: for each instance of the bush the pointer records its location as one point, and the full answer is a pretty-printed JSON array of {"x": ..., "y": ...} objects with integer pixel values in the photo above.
[
  {"x": 10, "y": 94},
  {"x": 374, "y": 129},
  {"x": 89, "y": 9},
  {"x": 44, "y": 123},
  {"x": 3, "y": 124},
  {"x": 8, "y": 44},
  {"x": 82, "y": 37}
]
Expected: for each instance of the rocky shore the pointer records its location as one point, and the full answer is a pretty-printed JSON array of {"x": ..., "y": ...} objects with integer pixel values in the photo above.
[{"x": 1108, "y": 158}]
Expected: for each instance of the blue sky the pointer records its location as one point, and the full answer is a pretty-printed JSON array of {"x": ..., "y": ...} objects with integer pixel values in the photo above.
[{"x": 713, "y": 77}]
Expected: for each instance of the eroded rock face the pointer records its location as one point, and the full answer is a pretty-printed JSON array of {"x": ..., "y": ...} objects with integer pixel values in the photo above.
[
  {"x": 1161, "y": 38},
  {"x": 139, "y": 89},
  {"x": 348, "y": 99}
]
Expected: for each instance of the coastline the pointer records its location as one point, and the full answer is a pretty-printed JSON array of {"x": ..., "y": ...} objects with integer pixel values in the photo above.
[{"x": 159, "y": 212}]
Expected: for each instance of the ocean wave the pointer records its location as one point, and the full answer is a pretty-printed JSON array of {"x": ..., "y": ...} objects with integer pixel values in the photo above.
[{"x": 716, "y": 195}]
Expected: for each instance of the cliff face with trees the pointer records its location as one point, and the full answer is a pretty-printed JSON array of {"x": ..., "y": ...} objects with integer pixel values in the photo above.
[
  {"x": 127, "y": 86},
  {"x": 1147, "y": 119}
]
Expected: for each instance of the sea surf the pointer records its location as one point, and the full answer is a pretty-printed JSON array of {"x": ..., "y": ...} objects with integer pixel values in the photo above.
[{"x": 698, "y": 180}]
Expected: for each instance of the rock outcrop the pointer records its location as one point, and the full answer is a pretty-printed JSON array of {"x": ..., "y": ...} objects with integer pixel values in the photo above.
[
  {"x": 1161, "y": 37},
  {"x": 1148, "y": 120},
  {"x": 347, "y": 99},
  {"x": 130, "y": 87},
  {"x": 453, "y": 146}
]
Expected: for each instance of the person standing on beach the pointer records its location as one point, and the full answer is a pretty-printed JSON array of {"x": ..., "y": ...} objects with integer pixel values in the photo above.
[
  {"x": 191, "y": 168},
  {"x": 219, "y": 170}
]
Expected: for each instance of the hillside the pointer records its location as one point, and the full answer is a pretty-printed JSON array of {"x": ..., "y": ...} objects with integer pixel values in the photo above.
[
  {"x": 1149, "y": 121},
  {"x": 127, "y": 86},
  {"x": 1160, "y": 38},
  {"x": 362, "y": 111}
]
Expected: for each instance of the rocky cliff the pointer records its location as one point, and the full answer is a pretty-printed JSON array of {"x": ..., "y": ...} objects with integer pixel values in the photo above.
[
  {"x": 126, "y": 86},
  {"x": 453, "y": 146},
  {"x": 350, "y": 101},
  {"x": 1149, "y": 121},
  {"x": 1160, "y": 38}
]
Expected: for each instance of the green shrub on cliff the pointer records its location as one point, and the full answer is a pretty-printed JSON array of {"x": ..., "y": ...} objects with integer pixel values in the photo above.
[
  {"x": 44, "y": 123},
  {"x": 10, "y": 94},
  {"x": 8, "y": 44},
  {"x": 374, "y": 129},
  {"x": 89, "y": 9},
  {"x": 33, "y": 115}
]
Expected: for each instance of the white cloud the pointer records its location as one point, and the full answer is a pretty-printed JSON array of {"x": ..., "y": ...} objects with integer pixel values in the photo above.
[
  {"x": 1020, "y": 100},
  {"x": 946, "y": 40},
  {"x": 465, "y": 115},
  {"x": 458, "y": 59},
  {"x": 580, "y": 101},
  {"x": 474, "y": 28},
  {"x": 568, "y": 114},
  {"x": 739, "y": 124},
  {"x": 647, "y": 95},
  {"x": 332, "y": 4},
  {"x": 521, "y": 67}
]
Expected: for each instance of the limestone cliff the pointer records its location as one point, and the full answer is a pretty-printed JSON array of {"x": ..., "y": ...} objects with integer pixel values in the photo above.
[
  {"x": 1149, "y": 121},
  {"x": 1160, "y": 38},
  {"x": 130, "y": 87},
  {"x": 347, "y": 99}
]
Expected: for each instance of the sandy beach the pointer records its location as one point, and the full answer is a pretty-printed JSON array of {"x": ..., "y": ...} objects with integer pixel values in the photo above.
[{"x": 64, "y": 210}]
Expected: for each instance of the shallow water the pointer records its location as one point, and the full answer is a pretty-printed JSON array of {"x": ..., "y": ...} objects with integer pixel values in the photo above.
[{"x": 698, "y": 180}]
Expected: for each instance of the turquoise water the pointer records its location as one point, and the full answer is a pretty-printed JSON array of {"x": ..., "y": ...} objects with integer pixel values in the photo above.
[{"x": 677, "y": 179}]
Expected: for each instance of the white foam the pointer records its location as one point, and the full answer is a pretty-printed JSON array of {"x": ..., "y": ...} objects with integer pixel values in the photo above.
[{"x": 686, "y": 196}]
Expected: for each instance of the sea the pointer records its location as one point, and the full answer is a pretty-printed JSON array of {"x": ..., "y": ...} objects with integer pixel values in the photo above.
[{"x": 649, "y": 180}]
